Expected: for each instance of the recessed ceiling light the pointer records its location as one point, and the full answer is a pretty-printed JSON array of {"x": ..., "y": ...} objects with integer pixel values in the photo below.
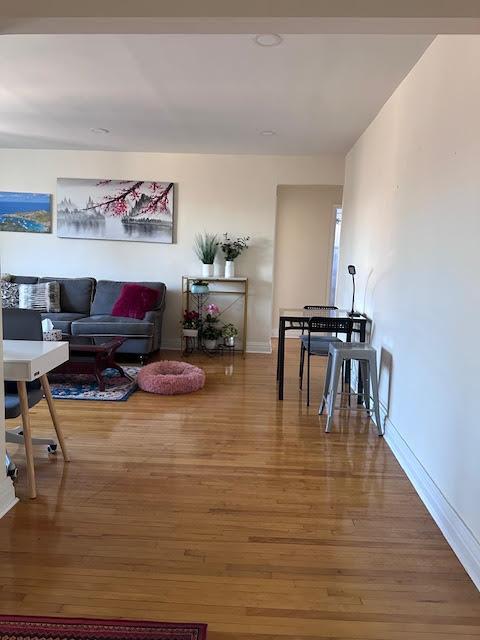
[
  {"x": 268, "y": 39},
  {"x": 267, "y": 133},
  {"x": 99, "y": 130}
]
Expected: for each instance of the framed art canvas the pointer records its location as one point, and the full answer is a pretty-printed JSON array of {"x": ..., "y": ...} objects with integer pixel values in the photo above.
[
  {"x": 133, "y": 210},
  {"x": 27, "y": 212}
]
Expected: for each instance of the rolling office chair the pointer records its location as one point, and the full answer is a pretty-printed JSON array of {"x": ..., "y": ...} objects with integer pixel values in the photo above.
[{"x": 22, "y": 324}]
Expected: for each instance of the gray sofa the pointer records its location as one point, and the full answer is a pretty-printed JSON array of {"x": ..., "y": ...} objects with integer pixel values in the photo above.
[{"x": 86, "y": 306}]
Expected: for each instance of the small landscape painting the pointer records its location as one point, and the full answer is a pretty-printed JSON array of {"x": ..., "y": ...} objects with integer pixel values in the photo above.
[
  {"x": 134, "y": 210},
  {"x": 28, "y": 212}
]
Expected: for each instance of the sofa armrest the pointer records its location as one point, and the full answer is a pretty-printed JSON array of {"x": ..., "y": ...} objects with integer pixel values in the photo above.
[{"x": 156, "y": 318}]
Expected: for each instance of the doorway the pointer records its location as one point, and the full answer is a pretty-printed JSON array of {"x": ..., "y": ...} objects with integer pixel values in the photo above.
[{"x": 304, "y": 246}]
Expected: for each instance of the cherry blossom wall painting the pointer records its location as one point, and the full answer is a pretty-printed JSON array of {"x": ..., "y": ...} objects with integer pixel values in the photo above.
[{"x": 140, "y": 211}]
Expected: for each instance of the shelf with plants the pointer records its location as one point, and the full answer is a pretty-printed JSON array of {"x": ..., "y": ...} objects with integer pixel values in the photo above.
[{"x": 214, "y": 335}]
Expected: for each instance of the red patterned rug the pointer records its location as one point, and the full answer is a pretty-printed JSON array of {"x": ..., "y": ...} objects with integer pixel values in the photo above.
[{"x": 34, "y": 628}]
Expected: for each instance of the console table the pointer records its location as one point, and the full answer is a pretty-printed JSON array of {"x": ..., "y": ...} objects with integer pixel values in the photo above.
[{"x": 240, "y": 294}]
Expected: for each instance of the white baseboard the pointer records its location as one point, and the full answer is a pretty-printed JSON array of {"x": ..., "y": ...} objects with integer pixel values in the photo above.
[
  {"x": 252, "y": 347},
  {"x": 7, "y": 496},
  {"x": 171, "y": 345},
  {"x": 259, "y": 347},
  {"x": 460, "y": 538}
]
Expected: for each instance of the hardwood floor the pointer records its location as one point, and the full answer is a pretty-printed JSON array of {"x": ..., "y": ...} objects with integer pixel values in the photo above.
[{"x": 230, "y": 508}]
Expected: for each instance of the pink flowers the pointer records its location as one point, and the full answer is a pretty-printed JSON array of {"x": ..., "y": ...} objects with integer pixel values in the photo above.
[
  {"x": 212, "y": 309},
  {"x": 119, "y": 207}
]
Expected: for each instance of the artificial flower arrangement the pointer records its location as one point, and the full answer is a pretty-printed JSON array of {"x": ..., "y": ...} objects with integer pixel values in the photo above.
[
  {"x": 210, "y": 331},
  {"x": 191, "y": 323},
  {"x": 191, "y": 320},
  {"x": 233, "y": 248}
]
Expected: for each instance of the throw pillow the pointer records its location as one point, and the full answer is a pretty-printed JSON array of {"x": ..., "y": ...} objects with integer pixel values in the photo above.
[
  {"x": 134, "y": 301},
  {"x": 41, "y": 297},
  {"x": 10, "y": 294}
]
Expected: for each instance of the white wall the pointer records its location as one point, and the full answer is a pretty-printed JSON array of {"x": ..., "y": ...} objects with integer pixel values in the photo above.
[
  {"x": 214, "y": 193},
  {"x": 411, "y": 225},
  {"x": 303, "y": 246}
]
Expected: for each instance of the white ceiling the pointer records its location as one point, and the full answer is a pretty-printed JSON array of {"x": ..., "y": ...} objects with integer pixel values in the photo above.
[{"x": 197, "y": 93}]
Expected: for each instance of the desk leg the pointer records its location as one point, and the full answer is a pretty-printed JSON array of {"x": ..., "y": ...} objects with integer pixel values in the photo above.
[
  {"x": 360, "y": 387},
  {"x": 348, "y": 371},
  {"x": 27, "y": 437},
  {"x": 53, "y": 413},
  {"x": 281, "y": 357}
]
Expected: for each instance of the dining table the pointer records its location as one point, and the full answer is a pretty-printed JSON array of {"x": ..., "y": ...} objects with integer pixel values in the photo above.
[{"x": 295, "y": 319}]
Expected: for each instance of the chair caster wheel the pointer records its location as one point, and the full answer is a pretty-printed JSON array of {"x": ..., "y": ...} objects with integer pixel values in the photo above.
[
  {"x": 52, "y": 448},
  {"x": 12, "y": 472}
]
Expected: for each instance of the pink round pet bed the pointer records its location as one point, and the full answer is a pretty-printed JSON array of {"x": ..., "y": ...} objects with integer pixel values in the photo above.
[{"x": 169, "y": 378}]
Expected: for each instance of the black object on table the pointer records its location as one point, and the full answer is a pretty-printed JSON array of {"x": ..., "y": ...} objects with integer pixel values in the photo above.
[{"x": 287, "y": 320}]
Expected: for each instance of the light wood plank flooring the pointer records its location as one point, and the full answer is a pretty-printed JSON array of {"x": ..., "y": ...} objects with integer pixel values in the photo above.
[{"x": 230, "y": 508}]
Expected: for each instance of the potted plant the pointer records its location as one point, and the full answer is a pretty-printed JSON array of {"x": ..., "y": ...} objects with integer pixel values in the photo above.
[
  {"x": 191, "y": 323},
  {"x": 206, "y": 246},
  {"x": 232, "y": 249},
  {"x": 210, "y": 335},
  {"x": 199, "y": 286},
  {"x": 210, "y": 331},
  {"x": 229, "y": 333}
]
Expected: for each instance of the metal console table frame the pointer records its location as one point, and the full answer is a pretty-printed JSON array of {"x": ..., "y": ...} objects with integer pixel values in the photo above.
[{"x": 240, "y": 294}]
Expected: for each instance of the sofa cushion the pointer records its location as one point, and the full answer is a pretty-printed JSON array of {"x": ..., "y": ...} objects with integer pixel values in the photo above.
[
  {"x": 44, "y": 296},
  {"x": 10, "y": 294},
  {"x": 108, "y": 291},
  {"x": 107, "y": 325},
  {"x": 75, "y": 293},
  {"x": 25, "y": 279},
  {"x": 63, "y": 321},
  {"x": 134, "y": 301}
]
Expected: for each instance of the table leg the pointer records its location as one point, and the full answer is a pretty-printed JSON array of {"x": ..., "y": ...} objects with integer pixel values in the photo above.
[
  {"x": 278, "y": 355},
  {"x": 348, "y": 368},
  {"x": 27, "y": 438},
  {"x": 360, "y": 397},
  {"x": 53, "y": 414},
  {"x": 281, "y": 357}
]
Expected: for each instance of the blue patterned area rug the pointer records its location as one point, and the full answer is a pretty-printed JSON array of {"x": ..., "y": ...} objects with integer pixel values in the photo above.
[{"x": 85, "y": 387}]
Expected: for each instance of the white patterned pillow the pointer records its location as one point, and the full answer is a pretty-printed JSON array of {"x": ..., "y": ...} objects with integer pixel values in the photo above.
[
  {"x": 41, "y": 297},
  {"x": 9, "y": 294}
]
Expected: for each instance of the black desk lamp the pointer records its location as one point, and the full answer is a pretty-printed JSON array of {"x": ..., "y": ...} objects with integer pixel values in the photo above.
[{"x": 352, "y": 271}]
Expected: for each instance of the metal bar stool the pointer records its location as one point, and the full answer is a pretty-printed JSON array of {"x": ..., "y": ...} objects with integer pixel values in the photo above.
[{"x": 366, "y": 356}]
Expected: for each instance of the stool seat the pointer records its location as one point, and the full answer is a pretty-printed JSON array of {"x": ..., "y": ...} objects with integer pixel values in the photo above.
[
  {"x": 366, "y": 355},
  {"x": 319, "y": 345}
]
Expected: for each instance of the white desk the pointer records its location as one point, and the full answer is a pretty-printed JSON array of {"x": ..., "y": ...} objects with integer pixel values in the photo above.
[{"x": 25, "y": 361}]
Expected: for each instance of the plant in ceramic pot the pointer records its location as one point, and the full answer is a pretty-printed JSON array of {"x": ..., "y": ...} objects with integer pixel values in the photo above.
[
  {"x": 210, "y": 331},
  {"x": 199, "y": 286},
  {"x": 229, "y": 333},
  {"x": 231, "y": 250},
  {"x": 206, "y": 246},
  {"x": 190, "y": 323},
  {"x": 210, "y": 335}
]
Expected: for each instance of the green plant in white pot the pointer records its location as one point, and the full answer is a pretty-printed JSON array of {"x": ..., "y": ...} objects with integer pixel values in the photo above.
[
  {"x": 210, "y": 335},
  {"x": 231, "y": 250},
  {"x": 206, "y": 246},
  {"x": 229, "y": 333}
]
